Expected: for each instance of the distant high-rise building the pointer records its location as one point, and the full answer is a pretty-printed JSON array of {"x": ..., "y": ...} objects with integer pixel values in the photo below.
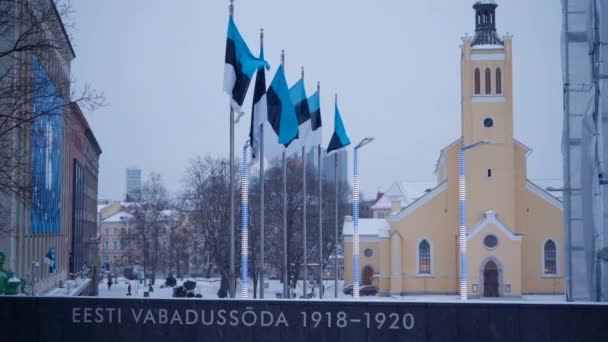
[
  {"x": 133, "y": 184},
  {"x": 329, "y": 164}
]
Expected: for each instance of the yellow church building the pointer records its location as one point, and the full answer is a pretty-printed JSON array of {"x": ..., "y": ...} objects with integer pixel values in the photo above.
[{"x": 514, "y": 228}]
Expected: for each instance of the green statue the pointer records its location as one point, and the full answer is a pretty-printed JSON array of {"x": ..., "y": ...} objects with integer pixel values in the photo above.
[{"x": 9, "y": 284}]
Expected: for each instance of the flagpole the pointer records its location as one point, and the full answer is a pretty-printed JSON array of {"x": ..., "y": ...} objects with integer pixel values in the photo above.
[
  {"x": 320, "y": 211},
  {"x": 262, "y": 176},
  {"x": 285, "y": 286},
  {"x": 336, "y": 214},
  {"x": 304, "y": 288},
  {"x": 231, "y": 275},
  {"x": 245, "y": 224}
]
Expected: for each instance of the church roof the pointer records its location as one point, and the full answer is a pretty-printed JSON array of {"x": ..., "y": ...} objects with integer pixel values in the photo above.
[
  {"x": 367, "y": 227},
  {"x": 429, "y": 195}
]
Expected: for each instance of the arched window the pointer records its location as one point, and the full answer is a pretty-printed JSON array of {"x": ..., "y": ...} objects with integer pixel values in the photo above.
[
  {"x": 498, "y": 81},
  {"x": 550, "y": 257},
  {"x": 424, "y": 257},
  {"x": 488, "y": 81},
  {"x": 477, "y": 82}
]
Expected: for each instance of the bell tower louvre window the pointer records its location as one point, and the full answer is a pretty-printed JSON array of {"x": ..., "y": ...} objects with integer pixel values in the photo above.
[
  {"x": 477, "y": 82},
  {"x": 488, "y": 81},
  {"x": 498, "y": 81}
]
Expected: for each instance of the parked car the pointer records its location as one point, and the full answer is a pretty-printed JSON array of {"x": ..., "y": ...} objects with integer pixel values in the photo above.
[
  {"x": 348, "y": 289},
  {"x": 364, "y": 290},
  {"x": 368, "y": 290}
]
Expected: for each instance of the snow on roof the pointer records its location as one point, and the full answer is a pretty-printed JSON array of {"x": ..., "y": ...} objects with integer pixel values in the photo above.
[
  {"x": 487, "y": 2},
  {"x": 416, "y": 189},
  {"x": 119, "y": 216},
  {"x": 101, "y": 206},
  {"x": 488, "y": 47},
  {"x": 367, "y": 227}
]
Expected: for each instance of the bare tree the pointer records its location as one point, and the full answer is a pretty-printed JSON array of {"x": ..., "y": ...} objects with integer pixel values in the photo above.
[
  {"x": 274, "y": 218},
  {"x": 149, "y": 219},
  {"x": 31, "y": 28},
  {"x": 207, "y": 189}
]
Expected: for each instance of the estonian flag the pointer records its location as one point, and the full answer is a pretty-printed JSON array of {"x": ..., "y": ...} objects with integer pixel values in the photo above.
[
  {"x": 240, "y": 66},
  {"x": 281, "y": 114},
  {"x": 297, "y": 93},
  {"x": 339, "y": 139},
  {"x": 259, "y": 114},
  {"x": 316, "y": 135}
]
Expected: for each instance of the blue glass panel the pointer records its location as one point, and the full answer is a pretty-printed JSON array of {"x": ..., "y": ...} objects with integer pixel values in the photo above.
[{"x": 47, "y": 134}]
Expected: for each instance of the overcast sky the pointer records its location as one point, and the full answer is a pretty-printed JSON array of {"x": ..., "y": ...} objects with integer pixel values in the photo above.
[{"x": 395, "y": 65}]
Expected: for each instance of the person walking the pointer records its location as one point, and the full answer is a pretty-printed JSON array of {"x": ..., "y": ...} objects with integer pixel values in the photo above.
[{"x": 109, "y": 281}]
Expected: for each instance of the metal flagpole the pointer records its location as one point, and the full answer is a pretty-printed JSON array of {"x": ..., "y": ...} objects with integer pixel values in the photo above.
[
  {"x": 336, "y": 214},
  {"x": 245, "y": 224},
  {"x": 320, "y": 212},
  {"x": 262, "y": 176},
  {"x": 304, "y": 287},
  {"x": 231, "y": 183},
  {"x": 285, "y": 286}
]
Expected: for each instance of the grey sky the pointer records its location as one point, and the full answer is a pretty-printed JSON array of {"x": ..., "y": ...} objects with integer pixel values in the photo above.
[{"x": 395, "y": 65}]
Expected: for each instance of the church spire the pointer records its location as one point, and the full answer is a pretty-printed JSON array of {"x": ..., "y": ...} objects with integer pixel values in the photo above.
[{"x": 485, "y": 23}]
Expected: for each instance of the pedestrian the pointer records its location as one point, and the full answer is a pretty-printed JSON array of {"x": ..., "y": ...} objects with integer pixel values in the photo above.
[
  {"x": 109, "y": 281},
  {"x": 129, "y": 290}
]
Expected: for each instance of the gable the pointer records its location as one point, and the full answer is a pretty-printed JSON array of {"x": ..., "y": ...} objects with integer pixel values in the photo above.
[
  {"x": 490, "y": 218},
  {"x": 426, "y": 198}
]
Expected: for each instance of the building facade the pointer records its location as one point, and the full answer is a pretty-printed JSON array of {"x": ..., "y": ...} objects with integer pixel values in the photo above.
[
  {"x": 38, "y": 247},
  {"x": 515, "y": 228},
  {"x": 84, "y": 152},
  {"x": 133, "y": 181}
]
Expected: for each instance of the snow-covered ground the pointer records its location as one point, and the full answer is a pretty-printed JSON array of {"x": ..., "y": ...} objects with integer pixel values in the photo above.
[{"x": 209, "y": 287}]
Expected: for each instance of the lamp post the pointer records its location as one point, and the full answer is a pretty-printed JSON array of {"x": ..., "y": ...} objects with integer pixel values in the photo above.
[
  {"x": 363, "y": 142},
  {"x": 462, "y": 235},
  {"x": 245, "y": 224}
]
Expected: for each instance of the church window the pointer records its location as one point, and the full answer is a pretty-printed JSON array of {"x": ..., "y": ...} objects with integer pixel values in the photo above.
[
  {"x": 498, "y": 81},
  {"x": 424, "y": 257},
  {"x": 490, "y": 241},
  {"x": 477, "y": 82},
  {"x": 488, "y": 81},
  {"x": 550, "y": 257},
  {"x": 489, "y": 173},
  {"x": 488, "y": 122}
]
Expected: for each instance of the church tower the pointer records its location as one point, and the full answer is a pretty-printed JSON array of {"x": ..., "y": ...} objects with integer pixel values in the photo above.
[{"x": 487, "y": 114}]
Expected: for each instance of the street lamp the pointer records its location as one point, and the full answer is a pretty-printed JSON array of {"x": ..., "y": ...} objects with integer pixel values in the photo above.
[
  {"x": 363, "y": 142},
  {"x": 462, "y": 236},
  {"x": 245, "y": 223}
]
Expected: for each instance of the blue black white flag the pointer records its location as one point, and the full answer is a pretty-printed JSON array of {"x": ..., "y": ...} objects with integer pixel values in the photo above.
[
  {"x": 281, "y": 113},
  {"x": 240, "y": 66},
  {"x": 259, "y": 114},
  {"x": 315, "y": 138},
  {"x": 339, "y": 139},
  {"x": 297, "y": 93}
]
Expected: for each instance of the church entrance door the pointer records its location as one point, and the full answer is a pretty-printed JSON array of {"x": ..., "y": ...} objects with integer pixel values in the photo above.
[
  {"x": 490, "y": 280},
  {"x": 368, "y": 273}
]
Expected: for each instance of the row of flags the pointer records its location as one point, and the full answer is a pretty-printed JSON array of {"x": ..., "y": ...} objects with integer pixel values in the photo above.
[{"x": 289, "y": 118}]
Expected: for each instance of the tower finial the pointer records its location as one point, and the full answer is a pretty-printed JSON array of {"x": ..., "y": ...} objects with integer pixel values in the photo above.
[
  {"x": 336, "y": 99},
  {"x": 231, "y": 8},
  {"x": 283, "y": 58},
  {"x": 302, "y": 72},
  {"x": 319, "y": 87}
]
